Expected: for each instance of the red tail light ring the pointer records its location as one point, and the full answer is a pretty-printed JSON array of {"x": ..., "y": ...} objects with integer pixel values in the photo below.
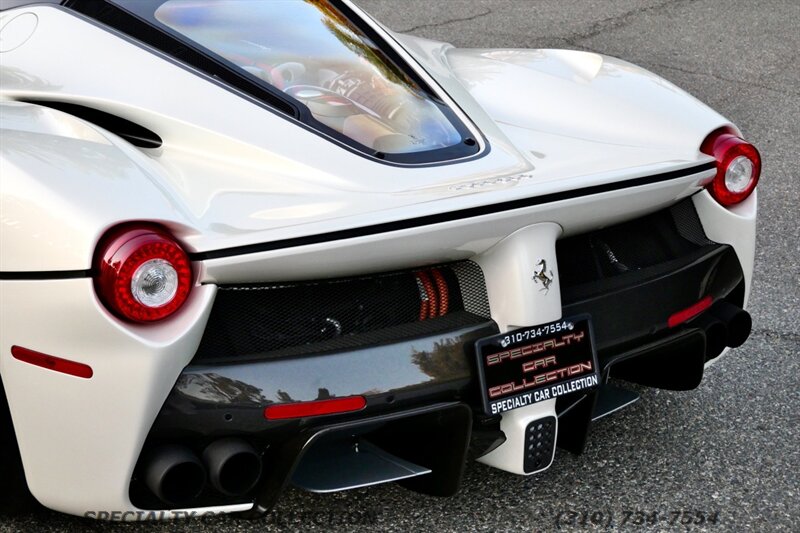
[
  {"x": 738, "y": 167},
  {"x": 143, "y": 274}
]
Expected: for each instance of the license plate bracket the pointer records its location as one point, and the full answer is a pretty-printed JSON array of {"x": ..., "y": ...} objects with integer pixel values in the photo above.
[{"x": 529, "y": 365}]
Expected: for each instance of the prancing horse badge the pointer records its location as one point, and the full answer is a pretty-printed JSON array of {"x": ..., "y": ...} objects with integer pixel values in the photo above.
[{"x": 543, "y": 275}]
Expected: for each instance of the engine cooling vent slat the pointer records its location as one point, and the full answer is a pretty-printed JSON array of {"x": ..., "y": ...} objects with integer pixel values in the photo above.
[{"x": 271, "y": 320}]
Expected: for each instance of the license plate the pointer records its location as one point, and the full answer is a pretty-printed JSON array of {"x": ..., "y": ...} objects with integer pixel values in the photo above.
[{"x": 531, "y": 365}]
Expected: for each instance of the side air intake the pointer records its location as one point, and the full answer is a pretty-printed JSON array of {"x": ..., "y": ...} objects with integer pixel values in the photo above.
[{"x": 135, "y": 134}]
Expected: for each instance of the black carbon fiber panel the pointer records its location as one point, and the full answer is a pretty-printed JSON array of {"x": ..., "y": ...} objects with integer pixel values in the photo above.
[{"x": 629, "y": 250}]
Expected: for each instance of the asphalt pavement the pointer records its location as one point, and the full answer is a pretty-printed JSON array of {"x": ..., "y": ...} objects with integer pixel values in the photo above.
[{"x": 724, "y": 457}]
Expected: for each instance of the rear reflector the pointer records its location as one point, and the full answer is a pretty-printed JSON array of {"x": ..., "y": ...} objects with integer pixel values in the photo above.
[
  {"x": 317, "y": 408},
  {"x": 51, "y": 362},
  {"x": 690, "y": 312}
]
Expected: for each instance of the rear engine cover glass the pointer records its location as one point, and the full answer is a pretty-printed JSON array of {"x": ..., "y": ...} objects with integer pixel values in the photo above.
[{"x": 312, "y": 52}]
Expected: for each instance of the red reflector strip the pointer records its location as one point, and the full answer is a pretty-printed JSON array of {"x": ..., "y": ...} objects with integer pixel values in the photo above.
[
  {"x": 317, "y": 408},
  {"x": 690, "y": 312},
  {"x": 51, "y": 362}
]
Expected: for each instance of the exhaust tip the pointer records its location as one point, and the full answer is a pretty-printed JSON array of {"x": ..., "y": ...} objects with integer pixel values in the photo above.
[
  {"x": 234, "y": 466},
  {"x": 716, "y": 335},
  {"x": 175, "y": 474},
  {"x": 716, "y": 338},
  {"x": 739, "y": 329},
  {"x": 738, "y": 322}
]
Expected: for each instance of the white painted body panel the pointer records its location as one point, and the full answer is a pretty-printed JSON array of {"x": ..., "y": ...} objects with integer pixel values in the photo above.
[
  {"x": 83, "y": 433},
  {"x": 224, "y": 180},
  {"x": 232, "y": 173},
  {"x": 515, "y": 303}
]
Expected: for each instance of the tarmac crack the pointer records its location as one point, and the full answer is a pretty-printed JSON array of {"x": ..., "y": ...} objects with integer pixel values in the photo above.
[
  {"x": 617, "y": 21},
  {"x": 446, "y": 22},
  {"x": 782, "y": 335}
]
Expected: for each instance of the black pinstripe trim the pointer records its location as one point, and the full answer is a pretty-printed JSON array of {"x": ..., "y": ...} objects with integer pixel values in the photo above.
[
  {"x": 449, "y": 216},
  {"x": 53, "y": 274}
]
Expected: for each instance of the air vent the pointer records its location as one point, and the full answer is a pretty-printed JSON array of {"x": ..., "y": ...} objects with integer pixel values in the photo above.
[
  {"x": 275, "y": 320},
  {"x": 130, "y": 131},
  {"x": 630, "y": 249}
]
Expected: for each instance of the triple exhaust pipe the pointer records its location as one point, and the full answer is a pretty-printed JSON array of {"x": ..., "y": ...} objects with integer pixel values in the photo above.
[{"x": 176, "y": 475}]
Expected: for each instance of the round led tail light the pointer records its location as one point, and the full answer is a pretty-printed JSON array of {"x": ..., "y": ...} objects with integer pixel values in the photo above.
[
  {"x": 143, "y": 274},
  {"x": 738, "y": 167}
]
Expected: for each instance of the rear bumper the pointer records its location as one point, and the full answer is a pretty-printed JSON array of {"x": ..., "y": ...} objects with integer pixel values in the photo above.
[
  {"x": 211, "y": 400},
  {"x": 104, "y": 424},
  {"x": 433, "y": 368},
  {"x": 630, "y": 315}
]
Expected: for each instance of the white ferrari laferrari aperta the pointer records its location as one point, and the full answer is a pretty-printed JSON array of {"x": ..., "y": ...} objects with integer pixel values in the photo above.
[{"x": 252, "y": 244}]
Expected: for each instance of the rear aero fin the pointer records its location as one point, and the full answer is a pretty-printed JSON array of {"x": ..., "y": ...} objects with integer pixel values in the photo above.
[{"x": 135, "y": 134}]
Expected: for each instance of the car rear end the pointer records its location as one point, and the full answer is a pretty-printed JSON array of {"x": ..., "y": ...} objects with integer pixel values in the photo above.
[
  {"x": 257, "y": 383},
  {"x": 202, "y": 357}
]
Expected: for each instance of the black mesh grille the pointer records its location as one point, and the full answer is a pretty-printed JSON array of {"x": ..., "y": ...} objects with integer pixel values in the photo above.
[
  {"x": 283, "y": 319},
  {"x": 688, "y": 224},
  {"x": 630, "y": 250},
  {"x": 472, "y": 287}
]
